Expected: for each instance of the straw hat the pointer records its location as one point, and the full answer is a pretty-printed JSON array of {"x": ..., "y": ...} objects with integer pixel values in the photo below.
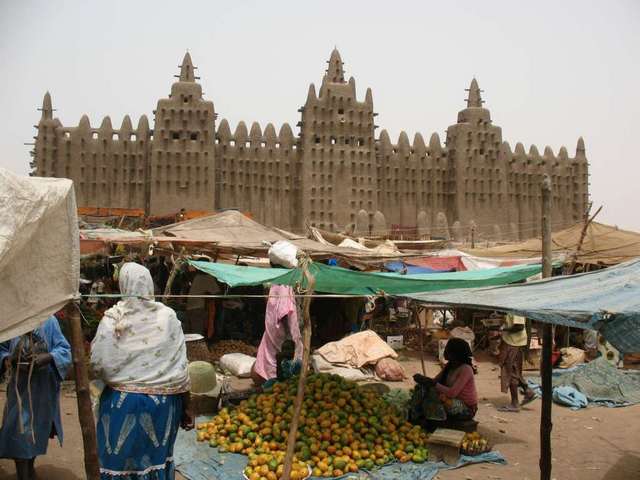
[{"x": 203, "y": 379}]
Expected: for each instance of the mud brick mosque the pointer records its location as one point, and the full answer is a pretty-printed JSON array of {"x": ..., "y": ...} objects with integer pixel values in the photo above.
[{"x": 336, "y": 173}]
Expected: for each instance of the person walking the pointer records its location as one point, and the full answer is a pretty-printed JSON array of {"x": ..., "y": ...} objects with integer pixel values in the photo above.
[
  {"x": 139, "y": 352},
  {"x": 514, "y": 344},
  {"x": 38, "y": 363}
]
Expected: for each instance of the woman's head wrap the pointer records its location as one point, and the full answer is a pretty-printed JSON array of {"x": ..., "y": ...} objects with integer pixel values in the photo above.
[{"x": 459, "y": 350}]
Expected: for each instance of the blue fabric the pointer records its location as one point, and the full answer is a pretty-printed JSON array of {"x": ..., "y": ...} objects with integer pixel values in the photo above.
[
  {"x": 605, "y": 300},
  {"x": 197, "y": 461},
  {"x": 290, "y": 368},
  {"x": 410, "y": 269},
  {"x": 570, "y": 397},
  {"x": 136, "y": 434},
  {"x": 45, "y": 395}
]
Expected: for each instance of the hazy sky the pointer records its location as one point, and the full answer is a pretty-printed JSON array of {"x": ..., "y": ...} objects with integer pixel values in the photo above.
[{"x": 550, "y": 70}]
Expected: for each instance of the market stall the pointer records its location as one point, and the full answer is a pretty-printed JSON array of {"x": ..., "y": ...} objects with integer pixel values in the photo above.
[
  {"x": 596, "y": 246},
  {"x": 338, "y": 280},
  {"x": 605, "y": 300},
  {"x": 40, "y": 265}
]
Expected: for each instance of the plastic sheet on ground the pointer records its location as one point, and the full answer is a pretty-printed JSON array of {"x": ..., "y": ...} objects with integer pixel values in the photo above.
[
  {"x": 603, "y": 384},
  {"x": 197, "y": 461}
]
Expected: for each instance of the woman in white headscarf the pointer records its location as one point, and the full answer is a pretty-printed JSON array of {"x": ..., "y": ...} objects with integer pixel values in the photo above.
[{"x": 139, "y": 352}]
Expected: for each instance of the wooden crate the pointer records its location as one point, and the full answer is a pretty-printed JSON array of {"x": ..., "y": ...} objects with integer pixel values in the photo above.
[{"x": 444, "y": 445}]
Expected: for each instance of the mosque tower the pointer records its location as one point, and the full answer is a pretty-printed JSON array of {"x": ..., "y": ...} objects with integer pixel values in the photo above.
[
  {"x": 182, "y": 167},
  {"x": 44, "y": 153},
  {"x": 478, "y": 183},
  {"x": 338, "y": 175}
]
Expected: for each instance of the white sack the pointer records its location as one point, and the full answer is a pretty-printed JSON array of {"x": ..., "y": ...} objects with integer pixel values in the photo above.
[
  {"x": 320, "y": 365},
  {"x": 237, "y": 364},
  {"x": 357, "y": 350},
  {"x": 465, "y": 333},
  {"x": 39, "y": 250},
  {"x": 284, "y": 254}
]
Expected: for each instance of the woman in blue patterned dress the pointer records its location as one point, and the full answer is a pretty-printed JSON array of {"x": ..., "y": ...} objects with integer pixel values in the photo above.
[
  {"x": 140, "y": 354},
  {"x": 32, "y": 412}
]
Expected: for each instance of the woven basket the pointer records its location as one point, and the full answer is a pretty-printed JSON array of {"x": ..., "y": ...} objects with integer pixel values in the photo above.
[{"x": 197, "y": 350}]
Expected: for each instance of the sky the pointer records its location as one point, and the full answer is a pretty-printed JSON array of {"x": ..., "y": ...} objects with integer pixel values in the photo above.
[{"x": 550, "y": 71}]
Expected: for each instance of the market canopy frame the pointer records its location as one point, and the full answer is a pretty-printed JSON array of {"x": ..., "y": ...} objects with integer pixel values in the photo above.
[
  {"x": 601, "y": 244},
  {"x": 605, "y": 300},
  {"x": 230, "y": 233}
]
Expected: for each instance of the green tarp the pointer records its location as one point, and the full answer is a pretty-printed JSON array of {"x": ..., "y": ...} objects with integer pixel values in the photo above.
[{"x": 349, "y": 282}]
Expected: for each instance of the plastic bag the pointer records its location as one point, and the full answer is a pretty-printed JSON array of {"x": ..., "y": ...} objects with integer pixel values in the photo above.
[
  {"x": 284, "y": 254},
  {"x": 390, "y": 370},
  {"x": 237, "y": 364}
]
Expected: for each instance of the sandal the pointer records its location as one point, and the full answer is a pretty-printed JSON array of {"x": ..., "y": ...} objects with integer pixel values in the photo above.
[{"x": 527, "y": 400}]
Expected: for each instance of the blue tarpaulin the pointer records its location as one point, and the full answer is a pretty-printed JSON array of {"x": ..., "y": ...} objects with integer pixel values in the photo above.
[
  {"x": 197, "y": 461},
  {"x": 599, "y": 381},
  {"x": 402, "y": 267},
  {"x": 605, "y": 300}
]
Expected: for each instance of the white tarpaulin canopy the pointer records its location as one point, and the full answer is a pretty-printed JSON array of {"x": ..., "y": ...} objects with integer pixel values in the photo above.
[{"x": 39, "y": 250}]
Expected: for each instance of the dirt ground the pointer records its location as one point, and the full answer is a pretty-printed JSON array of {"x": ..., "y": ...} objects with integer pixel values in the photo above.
[{"x": 589, "y": 444}]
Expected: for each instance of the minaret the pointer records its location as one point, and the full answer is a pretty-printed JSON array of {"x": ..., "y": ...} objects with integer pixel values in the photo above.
[
  {"x": 187, "y": 73},
  {"x": 475, "y": 113},
  {"x": 335, "y": 70},
  {"x": 580, "y": 150},
  {"x": 47, "y": 110},
  {"x": 44, "y": 152},
  {"x": 474, "y": 100}
]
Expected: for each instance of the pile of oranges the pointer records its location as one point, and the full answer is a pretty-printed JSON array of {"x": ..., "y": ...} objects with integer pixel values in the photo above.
[{"x": 342, "y": 429}]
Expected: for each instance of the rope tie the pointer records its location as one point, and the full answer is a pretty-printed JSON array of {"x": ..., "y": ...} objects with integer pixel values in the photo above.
[{"x": 16, "y": 377}]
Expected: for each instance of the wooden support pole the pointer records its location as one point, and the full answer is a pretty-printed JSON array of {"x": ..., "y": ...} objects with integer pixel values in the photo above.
[
  {"x": 416, "y": 312},
  {"x": 587, "y": 221},
  {"x": 547, "y": 340},
  {"x": 306, "y": 354},
  {"x": 83, "y": 394},
  {"x": 174, "y": 271}
]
